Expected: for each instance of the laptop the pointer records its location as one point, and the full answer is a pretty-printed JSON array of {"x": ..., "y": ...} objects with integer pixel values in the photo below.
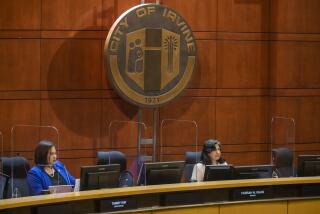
[{"x": 60, "y": 189}]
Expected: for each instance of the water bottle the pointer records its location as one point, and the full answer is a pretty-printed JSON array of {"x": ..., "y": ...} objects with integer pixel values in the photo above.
[
  {"x": 77, "y": 186},
  {"x": 16, "y": 193}
]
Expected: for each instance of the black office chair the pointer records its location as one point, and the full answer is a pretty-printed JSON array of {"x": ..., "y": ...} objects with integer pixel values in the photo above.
[
  {"x": 17, "y": 168},
  {"x": 191, "y": 159},
  {"x": 4, "y": 179},
  {"x": 116, "y": 157},
  {"x": 283, "y": 162}
]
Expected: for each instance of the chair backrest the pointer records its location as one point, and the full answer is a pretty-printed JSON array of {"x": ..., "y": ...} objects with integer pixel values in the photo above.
[
  {"x": 283, "y": 162},
  {"x": 112, "y": 157},
  {"x": 17, "y": 168},
  {"x": 191, "y": 158},
  {"x": 3, "y": 184},
  {"x": 116, "y": 157}
]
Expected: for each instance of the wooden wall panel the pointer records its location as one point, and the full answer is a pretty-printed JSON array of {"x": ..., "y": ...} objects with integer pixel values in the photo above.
[
  {"x": 179, "y": 150},
  {"x": 124, "y": 5},
  {"x": 243, "y": 15},
  {"x": 71, "y": 14},
  {"x": 104, "y": 74},
  {"x": 198, "y": 109},
  {"x": 205, "y": 75},
  {"x": 119, "y": 130},
  {"x": 242, "y": 120},
  {"x": 242, "y": 64},
  {"x": 204, "y": 21},
  {"x": 305, "y": 111},
  {"x": 295, "y": 16},
  {"x": 71, "y": 64},
  {"x": 190, "y": 10},
  {"x": 168, "y": 128},
  {"x": 108, "y": 13},
  {"x": 251, "y": 208},
  {"x": 78, "y": 121},
  {"x": 20, "y": 14},
  {"x": 19, "y": 112},
  {"x": 295, "y": 64},
  {"x": 247, "y": 158},
  {"x": 123, "y": 134},
  {"x": 234, "y": 158},
  {"x": 232, "y": 153},
  {"x": 20, "y": 64},
  {"x": 73, "y": 164}
]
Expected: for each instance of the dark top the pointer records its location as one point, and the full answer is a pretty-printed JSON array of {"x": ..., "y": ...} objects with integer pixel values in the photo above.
[{"x": 57, "y": 179}]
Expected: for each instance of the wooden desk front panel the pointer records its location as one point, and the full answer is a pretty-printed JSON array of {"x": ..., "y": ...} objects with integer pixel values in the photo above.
[
  {"x": 255, "y": 208},
  {"x": 274, "y": 207},
  {"x": 304, "y": 207},
  {"x": 193, "y": 210}
]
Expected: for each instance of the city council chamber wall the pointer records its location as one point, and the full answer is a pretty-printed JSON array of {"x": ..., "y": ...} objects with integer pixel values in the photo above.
[{"x": 257, "y": 59}]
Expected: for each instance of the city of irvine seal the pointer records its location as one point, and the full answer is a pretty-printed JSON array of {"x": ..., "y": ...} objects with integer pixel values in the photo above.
[{"x": 150, "y": 53}]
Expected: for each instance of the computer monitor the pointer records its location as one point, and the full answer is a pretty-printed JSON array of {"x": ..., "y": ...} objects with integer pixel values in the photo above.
[
  {"x": 217, "y": 173},
  {"x": 161, "y": 173},
  {"x": 253, "y": 172},
  {"x": 308, "y": 165},
  {"x": 99, "y": 176}
]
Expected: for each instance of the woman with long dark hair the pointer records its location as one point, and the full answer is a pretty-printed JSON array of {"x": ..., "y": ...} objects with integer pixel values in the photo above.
[{"x": 210, "y": 155}]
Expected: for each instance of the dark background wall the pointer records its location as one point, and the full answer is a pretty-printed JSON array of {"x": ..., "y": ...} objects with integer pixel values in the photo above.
[{"x": 257, "y": 59}]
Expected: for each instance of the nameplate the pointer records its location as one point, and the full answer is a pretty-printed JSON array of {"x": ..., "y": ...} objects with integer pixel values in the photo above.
[
  {"x": 252, "y": 193},
  {"x": 117, "y": 204}
]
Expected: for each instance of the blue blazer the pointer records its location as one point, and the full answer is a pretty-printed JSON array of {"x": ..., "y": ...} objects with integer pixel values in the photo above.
[{"x": 39, "y": 180}]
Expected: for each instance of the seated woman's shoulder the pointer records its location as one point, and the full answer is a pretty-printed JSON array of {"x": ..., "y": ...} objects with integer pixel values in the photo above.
[
  {"x": 34, "y": 170},
  {"x": 225, "y": 163},
  {"x": 58, "y": 163}
]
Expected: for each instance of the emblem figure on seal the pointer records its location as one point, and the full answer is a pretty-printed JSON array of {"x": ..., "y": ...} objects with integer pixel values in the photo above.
[{"x": 150, "y": 53}]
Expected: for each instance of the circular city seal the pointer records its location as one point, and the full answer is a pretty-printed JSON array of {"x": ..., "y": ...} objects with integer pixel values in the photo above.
[{"x": 150, "y": 52}]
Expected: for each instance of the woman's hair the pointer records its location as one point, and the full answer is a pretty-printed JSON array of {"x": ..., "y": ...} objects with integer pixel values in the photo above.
[
  {"x": 208, "y": 147},
  {"x": 41, "y": 152}
]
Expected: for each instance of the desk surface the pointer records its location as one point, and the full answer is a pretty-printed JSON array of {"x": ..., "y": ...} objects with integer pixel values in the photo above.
[{"x": 139, "y": 190}]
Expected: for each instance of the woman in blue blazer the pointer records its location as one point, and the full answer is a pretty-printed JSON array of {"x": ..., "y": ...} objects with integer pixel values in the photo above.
[{"x": 48, "y": 170}]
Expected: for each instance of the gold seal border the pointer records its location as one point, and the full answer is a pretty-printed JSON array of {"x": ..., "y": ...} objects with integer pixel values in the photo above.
[{"x": 128, "y": 93}]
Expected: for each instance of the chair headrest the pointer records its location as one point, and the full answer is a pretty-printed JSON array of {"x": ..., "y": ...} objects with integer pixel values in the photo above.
[
  {"x": 17, "y": 166},
  {"x": 113, "y": 157},
  {"x": 192, "y": 157},
  {"x": 282, "y": 157}
]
